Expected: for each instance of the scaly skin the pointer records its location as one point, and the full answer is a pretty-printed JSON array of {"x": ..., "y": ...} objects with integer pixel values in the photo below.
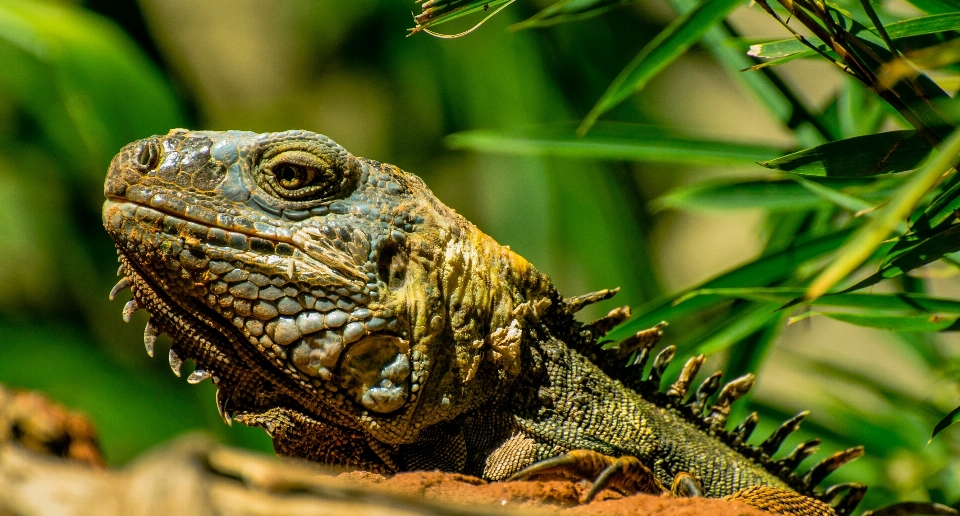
[{"x": 343, "y": 308}]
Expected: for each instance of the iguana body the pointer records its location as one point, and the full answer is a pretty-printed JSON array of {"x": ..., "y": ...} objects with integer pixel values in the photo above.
[{"x": 340, "y": 306}]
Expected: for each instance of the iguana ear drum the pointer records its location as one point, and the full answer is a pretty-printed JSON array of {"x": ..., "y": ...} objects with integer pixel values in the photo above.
[{"x": 376, "y": 372}]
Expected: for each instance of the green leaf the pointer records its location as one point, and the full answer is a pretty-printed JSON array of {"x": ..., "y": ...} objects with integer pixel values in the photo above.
[
  {"x": 667, "y": 46},
  {"x": 436, "y": 12},
  {"x": 567, "y": 11},
  {"x": 763, "y": 271},
  {"x": 902, "y": 29},
  {"x": 926, "y": 250},
  {"x": 733, "y": 330},
  {"x": 860, "y": 156},
  {"x": 84, "y": 81},
  {"x": 886, "y": 219},
  {"x": 944, "y": 207},
  {"x": 776, "y": 193},
  {"x": 898, "y": 302},
  {"x": 936, "y": 6},
  {"x": 897, "y": 322},
  {"x": 947, "y": 421},
  {"x": 609, "y": 140},
  {"x": 845, "y": 201}
]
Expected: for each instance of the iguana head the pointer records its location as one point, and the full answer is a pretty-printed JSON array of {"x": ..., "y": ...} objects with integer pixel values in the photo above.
[{"x": 371, "y": 304}]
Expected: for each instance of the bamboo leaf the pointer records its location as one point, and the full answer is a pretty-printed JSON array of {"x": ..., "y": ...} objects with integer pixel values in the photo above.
[
  {"x": 898, "y": 302},
  {"x": 886, "y": 219},
  {"x": 947, "y": 421},
  {"x": 902, "y": 29},
  {"x": 615, "y": 141},
  {"x": 567, "y": 11},
  {"x": 734, "y": 330},
  {"x": 763, "y": 271},
  {"x": 667, "y": 46},
  {"x": 846, "y": 201},
  {"x": 777, "y": 193},
  {"x": 926, "y": 251},
  {"x": 936, "y": 6},
  {"x": 436, "y": 12},
  {"x": 860, "y": 156},
  {"x": 944, "y": 207},
  {"x": 898, "y": 322}
]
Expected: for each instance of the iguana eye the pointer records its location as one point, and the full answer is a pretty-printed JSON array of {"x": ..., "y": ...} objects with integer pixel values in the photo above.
[
  {"x": 298, "y": 175},
  {"x": 293, "y": 177},
  {"x": 301, "y": 171}
]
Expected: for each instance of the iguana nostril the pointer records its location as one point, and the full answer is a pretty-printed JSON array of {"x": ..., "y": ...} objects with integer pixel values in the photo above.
[{"x": 149, "y": 154}]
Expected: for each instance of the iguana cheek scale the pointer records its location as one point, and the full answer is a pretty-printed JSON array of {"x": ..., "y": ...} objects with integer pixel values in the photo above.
[{"x": 340, "y": 306}]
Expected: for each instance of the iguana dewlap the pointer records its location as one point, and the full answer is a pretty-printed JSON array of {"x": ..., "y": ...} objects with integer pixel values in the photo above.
[{"x": 339, "y": 305}]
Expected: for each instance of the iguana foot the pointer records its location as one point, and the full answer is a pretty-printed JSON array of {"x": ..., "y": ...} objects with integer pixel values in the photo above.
[{"x": 625, "y": 474}]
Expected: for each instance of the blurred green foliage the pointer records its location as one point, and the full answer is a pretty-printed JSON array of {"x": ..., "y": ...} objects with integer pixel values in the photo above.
[{"x": 80, "y": 79}]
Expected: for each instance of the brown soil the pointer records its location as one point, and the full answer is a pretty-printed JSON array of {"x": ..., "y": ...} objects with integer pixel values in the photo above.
[{"x": 556, "y": 496}]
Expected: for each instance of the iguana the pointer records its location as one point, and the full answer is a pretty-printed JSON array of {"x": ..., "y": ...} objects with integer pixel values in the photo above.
[{"x": 337, "y": 304}]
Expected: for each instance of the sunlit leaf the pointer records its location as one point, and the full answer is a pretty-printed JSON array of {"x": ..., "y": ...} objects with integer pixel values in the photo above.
[
  {"x": 733, "y": 330},
  {"x": 936, "y": 6},
  {"x": 760, "y": 272},
  {"x": 860, "y": 156},
  {"x": 617, "y": 141},
  {"x": 924, "y": 251},
  {"x": 770, "y": 194},
  {"x": 887, "y": 218},
  {"x": 944, "y": 207},
  {"x": 897, "y": 322},
  {"x": 566, "y": 11},
  {"x": 899, "y": 302},
  {"x": 902, "y": 29},
  {"x": 668, "y": 45}
]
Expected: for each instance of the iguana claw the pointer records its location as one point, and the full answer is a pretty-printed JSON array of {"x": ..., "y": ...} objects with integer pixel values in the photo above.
[{"x": 625, "y": 474}]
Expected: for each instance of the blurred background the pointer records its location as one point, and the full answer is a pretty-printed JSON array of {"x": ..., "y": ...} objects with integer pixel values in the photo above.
[{"x": 78, "y": 79}]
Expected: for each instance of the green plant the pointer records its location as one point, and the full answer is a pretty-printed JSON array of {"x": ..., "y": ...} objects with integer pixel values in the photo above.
[{"x": 860, "y": 205}]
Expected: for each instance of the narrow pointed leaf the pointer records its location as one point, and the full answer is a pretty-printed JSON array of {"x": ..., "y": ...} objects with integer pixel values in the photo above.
[
  {"x": 947, "y": 421},
  {"x": 736, "y": 329},
  {"x": 763, "y": 271},
  {"x": 771, "y": 194},
  {"x": 666, "y": 47},
  {"x": 901, "y": 302},
  {"x": 567, "y": 11},
  {"x": 877, "y": 229},
  {"x": 617, "y": 141},
  {"x": 436, "y": 12},
  {"x": 926, "y": 251},
  {"x": 902, "y": 29},
  {"x": 898, "y": 322},
  {"x": 940, "y": 210},
  {"x": 860, "y": 156},
  {"x": 846, "y": 201}
]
